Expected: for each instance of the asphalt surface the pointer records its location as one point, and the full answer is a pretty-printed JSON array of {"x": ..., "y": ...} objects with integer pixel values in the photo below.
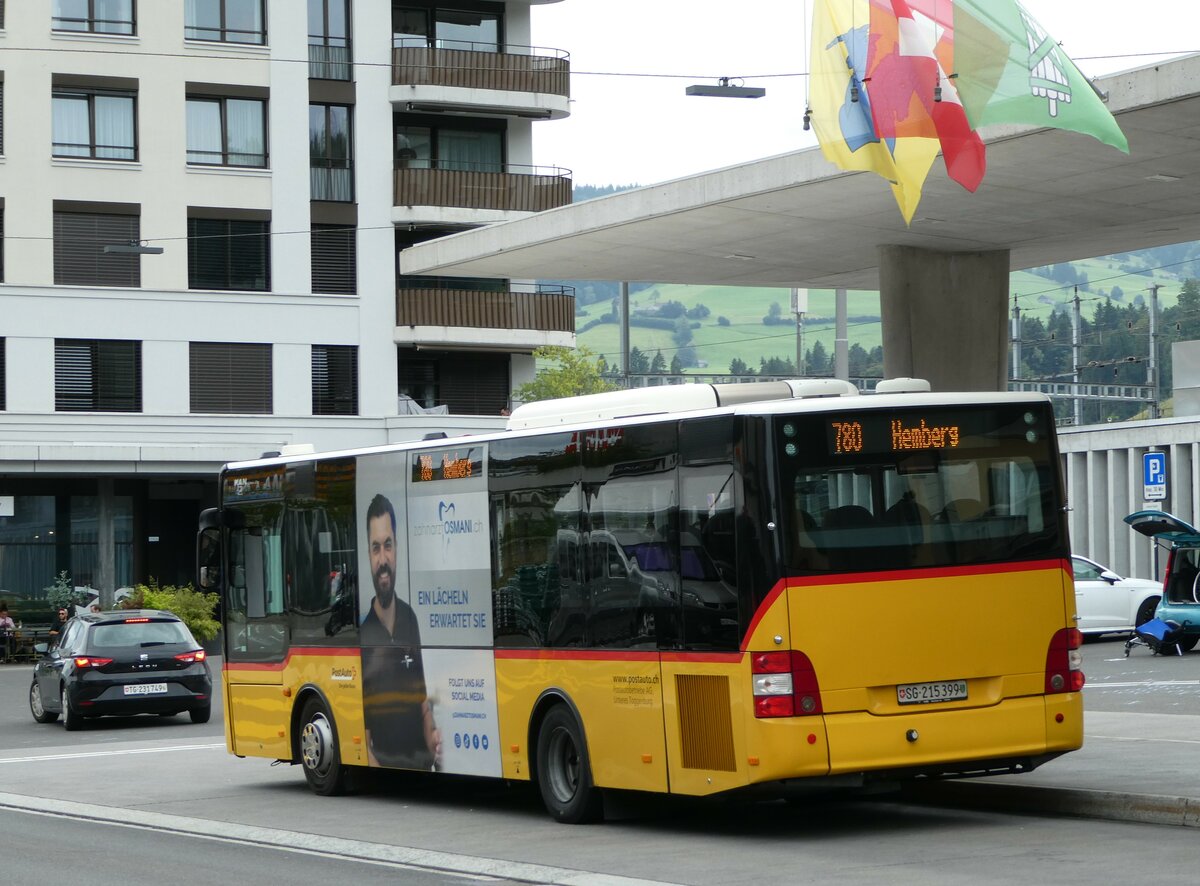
[{"x": 1138, "y": 763}]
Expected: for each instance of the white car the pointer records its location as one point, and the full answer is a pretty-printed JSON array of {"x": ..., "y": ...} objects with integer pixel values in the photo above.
[{"x": 1106, "y": 603}]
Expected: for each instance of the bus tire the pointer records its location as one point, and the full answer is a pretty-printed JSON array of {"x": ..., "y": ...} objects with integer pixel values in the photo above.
[
  {"x": 316, "y": 739},
  {"x": 563, "y": 772}
]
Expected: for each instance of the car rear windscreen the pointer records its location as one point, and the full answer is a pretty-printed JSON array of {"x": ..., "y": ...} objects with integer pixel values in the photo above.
[{"x": 140, "y": 634}]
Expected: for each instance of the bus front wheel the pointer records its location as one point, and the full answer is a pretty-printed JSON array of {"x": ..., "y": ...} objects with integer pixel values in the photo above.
[
  {"x": 319, "y": 754},
  {"x": 563, "y": 772}
]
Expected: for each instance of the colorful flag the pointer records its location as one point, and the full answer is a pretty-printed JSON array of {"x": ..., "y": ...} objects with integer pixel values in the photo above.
[
  {"x": 840, "y": 104},
  {"x": 891, "y": 80},
  {"x": 911, "y": 93},
  {"x": 1009, "y": 70}
]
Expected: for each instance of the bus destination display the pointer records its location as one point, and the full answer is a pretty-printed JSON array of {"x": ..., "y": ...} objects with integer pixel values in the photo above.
[{"x": 909, "y": 434}]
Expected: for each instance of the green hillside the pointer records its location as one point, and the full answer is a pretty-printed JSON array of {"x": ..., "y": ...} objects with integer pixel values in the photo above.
[{"x": 1124, "y": 278}]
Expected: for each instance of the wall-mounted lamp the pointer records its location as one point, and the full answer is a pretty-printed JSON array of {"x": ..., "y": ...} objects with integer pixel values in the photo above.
[
  {"x": 133, "y": 247},
  {"x": 724, "y": 90}
]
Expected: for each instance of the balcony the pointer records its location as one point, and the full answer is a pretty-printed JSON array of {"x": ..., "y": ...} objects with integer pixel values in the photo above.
[
  {"x": 480, "y": 186},
  {"x": 522, "y": 81},
  {"x": 433, "y": 301}
]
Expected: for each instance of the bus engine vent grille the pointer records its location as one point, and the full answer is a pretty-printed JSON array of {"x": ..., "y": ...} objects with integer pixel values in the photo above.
[{"x": 705, "y": 722}]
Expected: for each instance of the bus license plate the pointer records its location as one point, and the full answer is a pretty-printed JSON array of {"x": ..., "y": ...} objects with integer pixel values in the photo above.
[
  {"x": 145, "y": 688},
  {"x": 930, "y": 693}
]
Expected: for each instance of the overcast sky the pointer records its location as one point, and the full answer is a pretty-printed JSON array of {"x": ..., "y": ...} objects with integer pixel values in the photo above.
[{"x": 627, "y": 129}]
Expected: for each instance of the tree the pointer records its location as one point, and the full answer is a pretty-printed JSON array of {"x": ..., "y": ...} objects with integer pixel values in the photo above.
[
  {"x": 639, "y": 363},
  {"x": 676, "y": 365},
  {"x": 738, "y": 366},
  {"x": 659, "y": 364},
  {"x": 818, "y": 359},
  {"x": 573, "y": 372}
]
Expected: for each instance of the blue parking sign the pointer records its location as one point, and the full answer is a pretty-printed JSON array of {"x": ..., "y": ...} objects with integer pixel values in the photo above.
[{"x": 1154, "y": 476}]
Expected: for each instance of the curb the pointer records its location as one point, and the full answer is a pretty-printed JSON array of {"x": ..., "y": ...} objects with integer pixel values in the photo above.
[{"x": 1106, "y": 805}]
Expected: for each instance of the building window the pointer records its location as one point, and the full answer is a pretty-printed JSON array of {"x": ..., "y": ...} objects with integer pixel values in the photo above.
[
  {"x": 469, "y": 384},
  {"x": 3, "y": 385},
  {"x": 437, "y": 146},
  {"x": 94, "y": 16},
  {"x": 230, "y": 378},
  {"x": 227, "y": 131},
  {"x": 334, "y": 264},
  {"x": 329, "y": 150},
  {"x": 334, "y": 380},
  {"x": 474, "y": 29},
  {"x": 97, "y": 375},
  {"x": 225, "y": 21},
  {"x": 1, "y": 241},
  {"x": 95, "y": 124},
  {"x": 229, "y": 254},
  {"x": 1, "y": 96},
  {"x": 79, "y": 256},
  {"x": 329, "y": 39}
]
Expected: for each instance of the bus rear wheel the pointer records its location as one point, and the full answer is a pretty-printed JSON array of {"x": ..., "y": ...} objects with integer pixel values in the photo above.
[
  {"x": 564, "y": 773},
  {"x": 319, "y": 755}
]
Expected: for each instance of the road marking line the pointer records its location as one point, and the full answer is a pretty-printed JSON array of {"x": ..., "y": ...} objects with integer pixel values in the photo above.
[
  {"x": 83, "y": 755},
  {"x": 351, "y": 850}
]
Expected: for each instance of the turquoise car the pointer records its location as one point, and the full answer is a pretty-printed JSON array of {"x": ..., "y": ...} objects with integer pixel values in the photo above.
[{"x": 1181, "y": 586}]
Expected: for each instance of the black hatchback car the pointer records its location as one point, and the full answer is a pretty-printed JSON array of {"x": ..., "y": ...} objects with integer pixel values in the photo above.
[{"x": 122, "y": 662}]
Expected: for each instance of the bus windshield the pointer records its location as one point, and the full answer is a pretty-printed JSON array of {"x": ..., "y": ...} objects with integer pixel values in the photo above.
[{"x": 878, "y": 490}]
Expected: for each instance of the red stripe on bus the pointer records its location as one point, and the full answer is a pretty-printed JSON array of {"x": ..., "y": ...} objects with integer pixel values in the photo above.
[{"x": 931, "y": 572}]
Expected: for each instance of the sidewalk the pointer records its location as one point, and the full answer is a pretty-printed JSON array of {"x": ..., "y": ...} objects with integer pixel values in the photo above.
[{"x": 1132, "y": 767}]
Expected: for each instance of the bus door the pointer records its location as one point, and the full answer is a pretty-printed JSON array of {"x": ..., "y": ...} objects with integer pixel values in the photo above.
[
  {"x": 256, "y": 632},
  {"x": 628, "y": 503},
  {"x": 702, "y": 670}
]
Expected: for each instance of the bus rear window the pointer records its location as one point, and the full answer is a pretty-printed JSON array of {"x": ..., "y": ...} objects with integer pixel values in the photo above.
[{"x": 871, "y": 490}]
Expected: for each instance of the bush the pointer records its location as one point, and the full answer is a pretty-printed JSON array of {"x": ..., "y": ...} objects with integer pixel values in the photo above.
[
  {"x": 194, "y": 608},
  {"x": 62, "y": 594}
]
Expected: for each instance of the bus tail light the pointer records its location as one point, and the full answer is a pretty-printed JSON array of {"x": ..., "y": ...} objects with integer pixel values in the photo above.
[
  {"x": 785, "y": 685},
  {"x": 1063, "y": 662}
]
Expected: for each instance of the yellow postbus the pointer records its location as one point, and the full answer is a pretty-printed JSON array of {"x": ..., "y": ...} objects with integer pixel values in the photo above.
[{"x": 695, "y": 589}]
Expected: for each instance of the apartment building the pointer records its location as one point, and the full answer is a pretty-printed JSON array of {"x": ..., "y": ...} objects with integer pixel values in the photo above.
[{"x": 201, "y": 207}]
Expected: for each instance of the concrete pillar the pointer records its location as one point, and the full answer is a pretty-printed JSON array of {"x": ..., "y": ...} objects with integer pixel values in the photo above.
[
  {"x": 106, "y": 565},
  {"x": 945, "y": 317}
]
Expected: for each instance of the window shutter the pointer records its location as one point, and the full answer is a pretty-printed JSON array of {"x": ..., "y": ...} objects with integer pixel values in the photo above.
[
  {"x": 79, "y": 257},
  {"x": 334, "y": 380},
  {"x": 97, "y": 376},
  {"x": 474, "y": 384},
  {"x": 334, "y": 266},
  {"x": 3, "y": 385},
  {"x": 231, "y": 378},
  {"x": 226, "y": 254}
]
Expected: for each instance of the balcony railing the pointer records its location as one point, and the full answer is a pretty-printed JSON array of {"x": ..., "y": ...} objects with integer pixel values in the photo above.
[
  {"x": 516, "y": 69},
  {"x": 328, "y": 61},
  {"x": 331, "y": 180},
  {"x": 483, "y": 186},
  {"x": 424, "y": 301}
]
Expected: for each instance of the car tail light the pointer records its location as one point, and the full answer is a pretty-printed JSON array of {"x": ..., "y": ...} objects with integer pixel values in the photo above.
[
  {"x": 192, "y": 657},
  {"x": 90, "y": 661},
  {"x": 785, "y": 685},
  {"x": 1063, "y": 662}
]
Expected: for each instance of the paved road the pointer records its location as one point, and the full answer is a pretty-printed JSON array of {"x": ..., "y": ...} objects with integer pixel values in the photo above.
[{"x": 175, "y": 776}]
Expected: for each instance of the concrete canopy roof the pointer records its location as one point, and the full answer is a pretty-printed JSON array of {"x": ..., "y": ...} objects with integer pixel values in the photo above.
[{"x": 795, "y": 220}]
